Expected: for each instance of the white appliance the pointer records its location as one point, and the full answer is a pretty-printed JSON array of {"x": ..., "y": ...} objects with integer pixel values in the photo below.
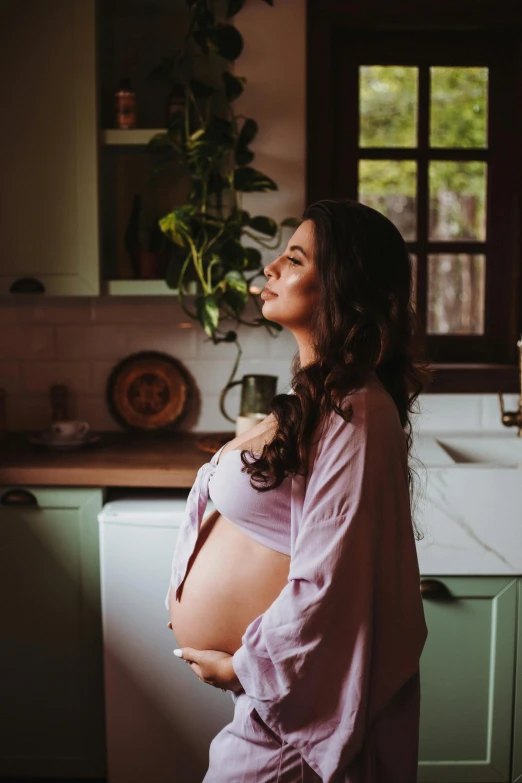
[{"x": 160, "y": 719}]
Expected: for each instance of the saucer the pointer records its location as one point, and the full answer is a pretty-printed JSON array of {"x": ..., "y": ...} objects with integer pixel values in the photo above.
[{"x": 50, "y": 440}]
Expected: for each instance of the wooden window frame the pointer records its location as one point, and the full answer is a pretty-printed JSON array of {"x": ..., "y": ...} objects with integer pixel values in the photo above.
[{"x": 336, "y": 38}]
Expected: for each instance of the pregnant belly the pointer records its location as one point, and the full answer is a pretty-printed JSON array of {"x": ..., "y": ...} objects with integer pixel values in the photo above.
[{"x": 231, "y": 580}]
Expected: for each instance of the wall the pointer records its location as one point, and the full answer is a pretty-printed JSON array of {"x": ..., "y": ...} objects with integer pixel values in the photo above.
[{"x": 78, "y": 341}]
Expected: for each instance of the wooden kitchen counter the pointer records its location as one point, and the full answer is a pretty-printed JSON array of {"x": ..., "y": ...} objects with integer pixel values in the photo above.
[{"x": 119, "y": 459}]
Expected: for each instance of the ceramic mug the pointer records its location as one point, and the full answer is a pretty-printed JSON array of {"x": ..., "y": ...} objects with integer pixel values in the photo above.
[{"x": 70, "y": 430}]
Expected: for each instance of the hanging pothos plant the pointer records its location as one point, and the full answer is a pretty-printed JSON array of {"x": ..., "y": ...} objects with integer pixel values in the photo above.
[{"x": 210, "y": 143}]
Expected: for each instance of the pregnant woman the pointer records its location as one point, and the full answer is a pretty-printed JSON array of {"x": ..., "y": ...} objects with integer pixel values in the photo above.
[{"x": 300, "y": 593}]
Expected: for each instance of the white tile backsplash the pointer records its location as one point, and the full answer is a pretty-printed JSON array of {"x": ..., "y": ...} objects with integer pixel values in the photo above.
[
  {"x": 19, "y": 341},
  {"x": 10, "y": 377},
  {"x": 450, "y": 411},
  {"x": 38, "y": 377},
  {"x": 91, "y": 342},
  {"x": 79, "y": 343}
]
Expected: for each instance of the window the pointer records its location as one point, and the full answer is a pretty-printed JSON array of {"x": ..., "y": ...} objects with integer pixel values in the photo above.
[{"x": 422, "y": 126}]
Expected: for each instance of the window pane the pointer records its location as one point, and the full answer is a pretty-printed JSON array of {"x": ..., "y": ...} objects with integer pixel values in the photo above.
[
  {"x": 390, "y": 187},
  {"x": 457, "y": 200},
  {"x": 387, "y": 106},
  {"x": 456, "y": 286},
  {"x": 458, "y": 111}
]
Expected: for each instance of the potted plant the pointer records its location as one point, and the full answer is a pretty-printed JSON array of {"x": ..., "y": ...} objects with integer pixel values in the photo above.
[{"x": 211, "y": 233}]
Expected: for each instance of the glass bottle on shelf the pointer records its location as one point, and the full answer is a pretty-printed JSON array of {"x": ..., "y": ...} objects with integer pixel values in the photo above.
[{"x": 125, "y": 105}]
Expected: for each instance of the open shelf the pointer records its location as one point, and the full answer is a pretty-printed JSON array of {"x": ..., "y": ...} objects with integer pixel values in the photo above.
[
  {"x": 123, "y": 138},
  {"x": 145, "y": 287}
]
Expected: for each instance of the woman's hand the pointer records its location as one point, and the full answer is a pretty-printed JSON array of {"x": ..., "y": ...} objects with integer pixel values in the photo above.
[{"x": 212, "y": 667}]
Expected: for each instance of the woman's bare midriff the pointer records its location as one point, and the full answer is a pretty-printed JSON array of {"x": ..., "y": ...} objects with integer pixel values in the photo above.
[{"x": 231, "y": 579}]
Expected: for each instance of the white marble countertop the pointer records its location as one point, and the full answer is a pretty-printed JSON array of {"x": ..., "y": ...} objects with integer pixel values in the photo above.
[{"x": 470, "y": 512}]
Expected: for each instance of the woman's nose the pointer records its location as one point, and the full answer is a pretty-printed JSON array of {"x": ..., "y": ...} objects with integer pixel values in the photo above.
[{"x": 269, "y": 268}]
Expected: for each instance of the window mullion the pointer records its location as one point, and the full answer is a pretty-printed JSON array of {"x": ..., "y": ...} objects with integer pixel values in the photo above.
[{"x": 422, "y": 192}]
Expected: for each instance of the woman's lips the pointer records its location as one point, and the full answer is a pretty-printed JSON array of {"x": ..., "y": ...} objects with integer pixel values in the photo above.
[{"x": 267, "y": 294}]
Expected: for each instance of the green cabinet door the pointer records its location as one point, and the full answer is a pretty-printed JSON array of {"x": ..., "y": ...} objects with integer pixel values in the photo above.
[
  {"x": 467, "y": 673},
  {"x": 517, "y": 733},
  {"x": 48, "y": 148},
  {"x": 51, "y": 683}
]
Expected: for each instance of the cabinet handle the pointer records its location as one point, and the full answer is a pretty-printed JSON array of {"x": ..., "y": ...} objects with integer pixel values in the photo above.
[
  {"x": 27, "y": 285},
  {"x": 434, "y": 590},
  {"x": 18, "y": 497}
]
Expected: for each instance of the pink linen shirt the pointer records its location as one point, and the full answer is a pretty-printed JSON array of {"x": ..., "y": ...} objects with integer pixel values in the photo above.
[{"x": 332, "y": 666}]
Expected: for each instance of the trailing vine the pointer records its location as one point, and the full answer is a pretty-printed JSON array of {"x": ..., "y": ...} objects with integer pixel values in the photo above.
[{"x": 211, "y": 143}]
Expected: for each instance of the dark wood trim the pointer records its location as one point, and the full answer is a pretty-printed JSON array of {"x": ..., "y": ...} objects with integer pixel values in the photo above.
[
  {"x": 440, "y": 15},
  {"x": 474, "y": 379},
  {"x": 433, "y": 153}
]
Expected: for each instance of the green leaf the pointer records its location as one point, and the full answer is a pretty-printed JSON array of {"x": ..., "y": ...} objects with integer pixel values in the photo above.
[
  {"x": 234, "y": 85},
  {"x": 234, "y": 6},
  {"x": 254, "y": 258},
  {"x": 232, "y": 253},
  {"x": 176, "y": 223},
  {"x": 204, "y": 41},
  {"x": 165, "y": 71},
  {"x": 208, "y": 313},
  {"x": 228, "y": 41},
  {"x": 236, "y": 292},
  {"x": 247, "y": 133},
  {"x": 244, "y": 157},
  {"x": 176, "y": 120},
  {"x": 159, "y": 141},
  {"x": 273, "y": 325},
  {"x": 264, "y": 225},
  {"x": 200, "y": 89},
  {"x": 292, "y": 222},
  {"x": 249, "y": 180}
]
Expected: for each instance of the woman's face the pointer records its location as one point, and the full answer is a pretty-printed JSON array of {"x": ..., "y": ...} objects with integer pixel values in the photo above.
[{"x": 294, "y": 279}]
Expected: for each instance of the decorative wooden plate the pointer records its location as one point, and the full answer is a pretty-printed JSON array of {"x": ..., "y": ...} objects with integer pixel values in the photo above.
[{"x": 148, "y": 391}]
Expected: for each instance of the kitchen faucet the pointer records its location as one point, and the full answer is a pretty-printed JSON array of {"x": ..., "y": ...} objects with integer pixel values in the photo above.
[{"x": 514, "y": 418}]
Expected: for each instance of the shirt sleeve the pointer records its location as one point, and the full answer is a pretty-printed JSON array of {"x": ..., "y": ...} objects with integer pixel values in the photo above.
[{"x": 306, "y": 662}]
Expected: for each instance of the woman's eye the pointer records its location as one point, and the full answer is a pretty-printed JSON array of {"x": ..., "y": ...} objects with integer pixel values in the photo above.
[{"x": 294, "y": 261}]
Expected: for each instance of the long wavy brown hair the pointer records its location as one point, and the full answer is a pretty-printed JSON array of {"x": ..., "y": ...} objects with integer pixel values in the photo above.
[{"x": 365, "y": 322}]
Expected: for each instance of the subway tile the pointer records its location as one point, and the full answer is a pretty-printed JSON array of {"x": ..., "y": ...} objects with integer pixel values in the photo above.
[
  {"x": 283, "y": 346},
  {"x": 9, "y": 311},
  {"x": 90, "y": 341},
  {"x": 10, "y": 375},
  {"x": 38, "y": 377},
  {"x": 100, "y": 372},
  {"x": 171, "y": 339},
  {"x": 453, "y": 412},
  {"x": 57, "y": 311},
  {"x": 210, "y": 418},
  {"x": 209, "y": 376},
  {"x": 138, "y": 310},
  {"x": 27, "y": 412},
  {"x": 27, "y": 342},
  {"x": 96, "y": 411}
]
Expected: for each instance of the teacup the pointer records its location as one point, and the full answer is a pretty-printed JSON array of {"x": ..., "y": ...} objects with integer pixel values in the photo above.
[{"x": 70, "y": 430}]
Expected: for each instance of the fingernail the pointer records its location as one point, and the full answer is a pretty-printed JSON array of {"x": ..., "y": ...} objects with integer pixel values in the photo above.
[{"x": 178, "y": 653}]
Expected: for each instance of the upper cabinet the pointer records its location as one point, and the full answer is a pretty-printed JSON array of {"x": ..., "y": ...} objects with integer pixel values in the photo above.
[{"x": 48, "y": 149}]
